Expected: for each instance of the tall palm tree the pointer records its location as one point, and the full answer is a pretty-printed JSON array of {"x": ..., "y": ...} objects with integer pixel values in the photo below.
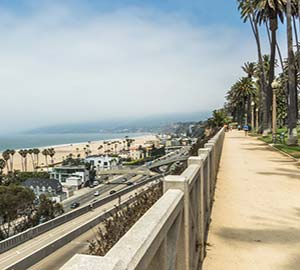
[
  {"x": 6, "y": 157},
  {"x": 12, "y": 152},
  {"x": 51, "y": 153},
  {"x": 22, "y": 158},
  {"x": 270, "y": 11},
  {"x": 25, "y": 152},
  {"x": 36, "y": 152},
  {"x": 292, "y": 90},
  {"x": 247, "y": 10},
  {"x": 30, "y": 152},
  {"x": 45, "y": 153}
]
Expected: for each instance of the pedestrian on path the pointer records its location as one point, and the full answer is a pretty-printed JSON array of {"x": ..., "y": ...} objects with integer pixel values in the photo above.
[{"x": 246, "y": 129}]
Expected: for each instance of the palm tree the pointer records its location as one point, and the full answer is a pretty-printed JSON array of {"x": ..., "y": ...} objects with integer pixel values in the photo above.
[
  {"x": 249, "y": 68},
  {"x": 30, "y": 152},
  {"x": 45, "y": 153},
  {"x": 51, "y": 153},
  {"x": 36, "y": 152},
  {"x": 6, "y": 157},
  {"x": 12, "y": 152},
  {"x": 239, "y": 96},
  {"x": 269, "y": 11},
  {"x": 22, "y": 159},
  {"x": 292, "y": 90},
  {"x": 25, "y": 152},
  {"x": 247, "y": 10}
]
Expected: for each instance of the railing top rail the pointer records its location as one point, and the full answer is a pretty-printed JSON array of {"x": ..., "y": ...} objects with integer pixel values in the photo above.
[{"x": 148, "y": 233}]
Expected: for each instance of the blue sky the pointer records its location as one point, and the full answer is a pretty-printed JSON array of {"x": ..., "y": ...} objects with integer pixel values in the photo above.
[
  {"x": 79, "y": 60},
  {"x": 199, "y": 12}
]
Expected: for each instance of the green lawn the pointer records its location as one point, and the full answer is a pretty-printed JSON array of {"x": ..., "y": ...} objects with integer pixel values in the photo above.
[{"x": 294, "y": 151}]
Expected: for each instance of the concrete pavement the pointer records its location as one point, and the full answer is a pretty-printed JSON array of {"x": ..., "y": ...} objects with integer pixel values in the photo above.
[{"x": 256, "y": 213}]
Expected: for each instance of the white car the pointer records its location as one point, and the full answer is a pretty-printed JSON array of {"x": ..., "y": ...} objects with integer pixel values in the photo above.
[{"x": 96, "y": 193}]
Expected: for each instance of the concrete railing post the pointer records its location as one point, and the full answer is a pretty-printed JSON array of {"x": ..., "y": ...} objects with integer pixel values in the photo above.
[
  {"x": 204, "y": 153},
  {"x": 183, "y": 252},
  {"x": 212, "y": 160},
  {"x": 200, "y": 204}
]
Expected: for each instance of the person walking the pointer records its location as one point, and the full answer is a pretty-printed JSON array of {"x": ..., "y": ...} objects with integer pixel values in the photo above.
[{"x": 246, "y": 129}]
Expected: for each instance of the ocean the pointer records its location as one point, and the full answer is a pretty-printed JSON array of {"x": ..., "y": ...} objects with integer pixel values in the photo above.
[{"x": 19, "y": 141}]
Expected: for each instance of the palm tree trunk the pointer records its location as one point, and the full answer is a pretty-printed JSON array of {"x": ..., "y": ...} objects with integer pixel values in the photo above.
[
  {"x": 11, "y": 163},
  {"x": 269, "y": 98},
  {"x": 32, "y": 160},
  {"x": 262, "y": 81},
  {"x": 277, "y": 47},
  {"x": 37, "y": 159},
  {"x": 292, "y": 106}
]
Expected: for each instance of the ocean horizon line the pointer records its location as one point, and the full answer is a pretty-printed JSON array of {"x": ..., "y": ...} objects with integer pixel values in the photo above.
[{"x": 60, "y": 140}]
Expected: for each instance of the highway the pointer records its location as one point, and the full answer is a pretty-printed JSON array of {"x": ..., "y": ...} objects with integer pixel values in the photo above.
[
  {"x": 88, "y": 196},
  {"x": 9, "y": 258}
]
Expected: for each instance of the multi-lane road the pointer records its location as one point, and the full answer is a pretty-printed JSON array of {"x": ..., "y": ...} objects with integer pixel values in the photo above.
[
  {"x": 60, "y": 256},
  {"x": 12, "y": 256},
  {"x": 87, "y": 194}
]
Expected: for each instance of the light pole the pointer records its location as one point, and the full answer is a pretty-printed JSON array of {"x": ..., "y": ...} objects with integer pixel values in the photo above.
[
  {"x": 256, "y": 124},
  {"x": 275, "y": 86},
  {"x": 252, "y": 114}
]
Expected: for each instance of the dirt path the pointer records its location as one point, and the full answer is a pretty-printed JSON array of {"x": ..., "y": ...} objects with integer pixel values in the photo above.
[{"x": 256, "y": 214}]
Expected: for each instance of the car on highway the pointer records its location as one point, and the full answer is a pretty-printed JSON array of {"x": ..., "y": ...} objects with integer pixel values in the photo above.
[
  {"x": 75, "y": 205},
  {"x": 112, "y": 192},
  {"x": 96, "y": 193},
  {"x": 129, "y": 183},
  {"x": 96, "y": 183},
  {"x": 124, "y": 180}
]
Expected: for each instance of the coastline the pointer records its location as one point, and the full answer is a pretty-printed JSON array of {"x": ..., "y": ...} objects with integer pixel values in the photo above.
[{"x": 62, "y": 150}]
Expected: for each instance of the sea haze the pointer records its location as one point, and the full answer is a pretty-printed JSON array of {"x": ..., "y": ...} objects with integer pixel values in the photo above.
[
  {"x": 151, "y": 124},
  {"x": 18, "y": 141}
]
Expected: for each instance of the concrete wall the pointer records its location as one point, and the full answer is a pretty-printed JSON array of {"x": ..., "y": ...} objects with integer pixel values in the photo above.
[
  {"x": 22, "y": 237},
  {"x": 172, "y": 233}
]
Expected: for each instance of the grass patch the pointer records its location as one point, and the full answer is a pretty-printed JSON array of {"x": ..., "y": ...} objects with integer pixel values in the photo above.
[{"x": 294, "y": 151}]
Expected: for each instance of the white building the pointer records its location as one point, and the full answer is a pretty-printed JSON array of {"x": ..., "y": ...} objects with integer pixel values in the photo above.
[
  {"x": 62, "y": 173},
  {"x": 73, "y": 181},
  {"x": 136, "y": 154},
  {"x": 102, "y": 162}
]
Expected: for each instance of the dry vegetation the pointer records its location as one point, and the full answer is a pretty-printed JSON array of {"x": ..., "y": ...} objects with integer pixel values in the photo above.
[{"x": 114, "y": 227}]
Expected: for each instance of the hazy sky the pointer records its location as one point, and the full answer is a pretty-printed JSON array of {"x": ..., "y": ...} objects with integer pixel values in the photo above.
[{"x": 68, "y": 61}]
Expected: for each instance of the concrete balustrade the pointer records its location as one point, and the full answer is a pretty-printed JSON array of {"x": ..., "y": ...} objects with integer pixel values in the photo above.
[{"x": 172, "y": 233}]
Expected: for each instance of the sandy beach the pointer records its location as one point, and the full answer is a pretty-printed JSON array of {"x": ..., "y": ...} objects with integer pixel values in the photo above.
[{"x": 79, "y": 150}]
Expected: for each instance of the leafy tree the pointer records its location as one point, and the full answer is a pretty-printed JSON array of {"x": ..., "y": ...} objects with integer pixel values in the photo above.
[
  {"x": 48, "y": 209},
  {"x": 16, "y": 203},
  {"x": 219, "y": 118}
]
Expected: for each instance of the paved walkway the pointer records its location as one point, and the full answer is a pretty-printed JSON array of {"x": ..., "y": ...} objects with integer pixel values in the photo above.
[{"x": 256, "y": 214}]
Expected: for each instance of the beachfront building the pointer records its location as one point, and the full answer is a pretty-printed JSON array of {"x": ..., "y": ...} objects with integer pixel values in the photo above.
[
  {"x": 102, "y": 162},
  {"x": 74, "y": 182},
  {"x": 52, "y": 188},
  {"x": 62, "y": 173},
  {"x": 136, "y": 152},
  {"x": 146, "y": 150}
]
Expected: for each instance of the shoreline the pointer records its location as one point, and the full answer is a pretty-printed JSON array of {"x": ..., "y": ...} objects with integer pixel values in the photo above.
[
  {"x": 79, "y": 143},
  {"x": 77, "y": 149}
]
